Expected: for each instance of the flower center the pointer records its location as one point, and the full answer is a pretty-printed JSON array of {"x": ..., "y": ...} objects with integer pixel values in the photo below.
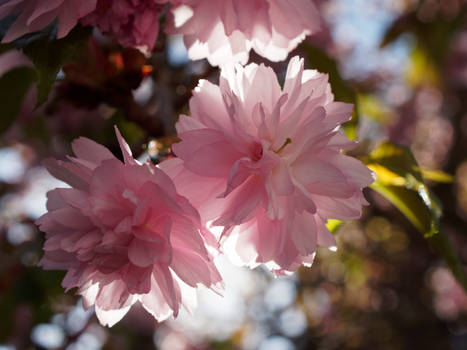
[
  {"x": 287, "y": 141},
  {"x": 257, "y": 152}
]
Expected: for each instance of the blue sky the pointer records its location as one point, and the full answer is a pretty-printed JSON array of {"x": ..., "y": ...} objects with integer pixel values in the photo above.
[{"x": 362, "y": 23}]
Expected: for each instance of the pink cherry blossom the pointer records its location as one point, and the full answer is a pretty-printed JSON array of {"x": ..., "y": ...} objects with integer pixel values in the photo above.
[
  {"x": 35, "y": 15},
  {"x": 123, "y": 234},
  {"x": 134, "y": 23},
  {"x": 225, "y": 30},
  {"x": 266, "y": 164}
]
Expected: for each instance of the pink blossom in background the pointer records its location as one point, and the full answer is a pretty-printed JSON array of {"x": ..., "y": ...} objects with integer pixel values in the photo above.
[
  {"x": 124, "y": 235},
  {"x": 13, "y": 59},
  {"x": 35, "y": 15},
  {"x": 265, "y": 163},
  {"x": 224, "y": 31},
  {"x": 134, "y": 23},
  {"x": 449, "y": 298}
]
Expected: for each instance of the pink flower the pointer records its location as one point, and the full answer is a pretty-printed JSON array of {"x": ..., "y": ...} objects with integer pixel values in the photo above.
[
  {"x": 123, "y": 234},
  {"x": 134, "y": 23},
  {"x": 35, "y": 15},
  {"x": 449, "y": 298},
  {"x": 266, "y": 163},
  {"x": 225, "y": 30}
]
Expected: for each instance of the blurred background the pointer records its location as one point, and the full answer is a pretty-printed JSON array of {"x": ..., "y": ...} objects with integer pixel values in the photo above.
[{"x": 405, "y": 63}]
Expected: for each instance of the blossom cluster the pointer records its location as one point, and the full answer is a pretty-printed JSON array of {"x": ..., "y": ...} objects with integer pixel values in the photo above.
[
  {"x": 124, "y": 234},
  {"x": 257, "y": 173},
  {"x": 269, "y": 162},
  {"x": 222, "y": 30}
]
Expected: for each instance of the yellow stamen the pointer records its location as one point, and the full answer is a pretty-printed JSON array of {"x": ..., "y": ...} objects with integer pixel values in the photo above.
[{"x": 287, "y": 141}]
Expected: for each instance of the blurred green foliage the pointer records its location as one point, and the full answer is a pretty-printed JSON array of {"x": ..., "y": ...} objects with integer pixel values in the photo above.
[{"x": 14, "y": 85}]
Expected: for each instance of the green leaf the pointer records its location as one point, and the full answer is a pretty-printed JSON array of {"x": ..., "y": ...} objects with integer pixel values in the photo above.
[
  {"x": 398, "y": 159},
  {"x": 320, "y": 60},
  {"x": 399, "y": 179},
  {"x": 333, "y": 225},
  {"x": 374, "y": 108},
  {"x": 437, "y": 176},
  {"x": 421, "y": 68},
  {"x": 410, "y": 204},
  {"x": 442, "y": 245},
  {"x": 14, "y": 86},
  {"x": 6, "y": 47},
  {"x": 400, "y": 26},
  {"x": 49, "y": 56}
]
